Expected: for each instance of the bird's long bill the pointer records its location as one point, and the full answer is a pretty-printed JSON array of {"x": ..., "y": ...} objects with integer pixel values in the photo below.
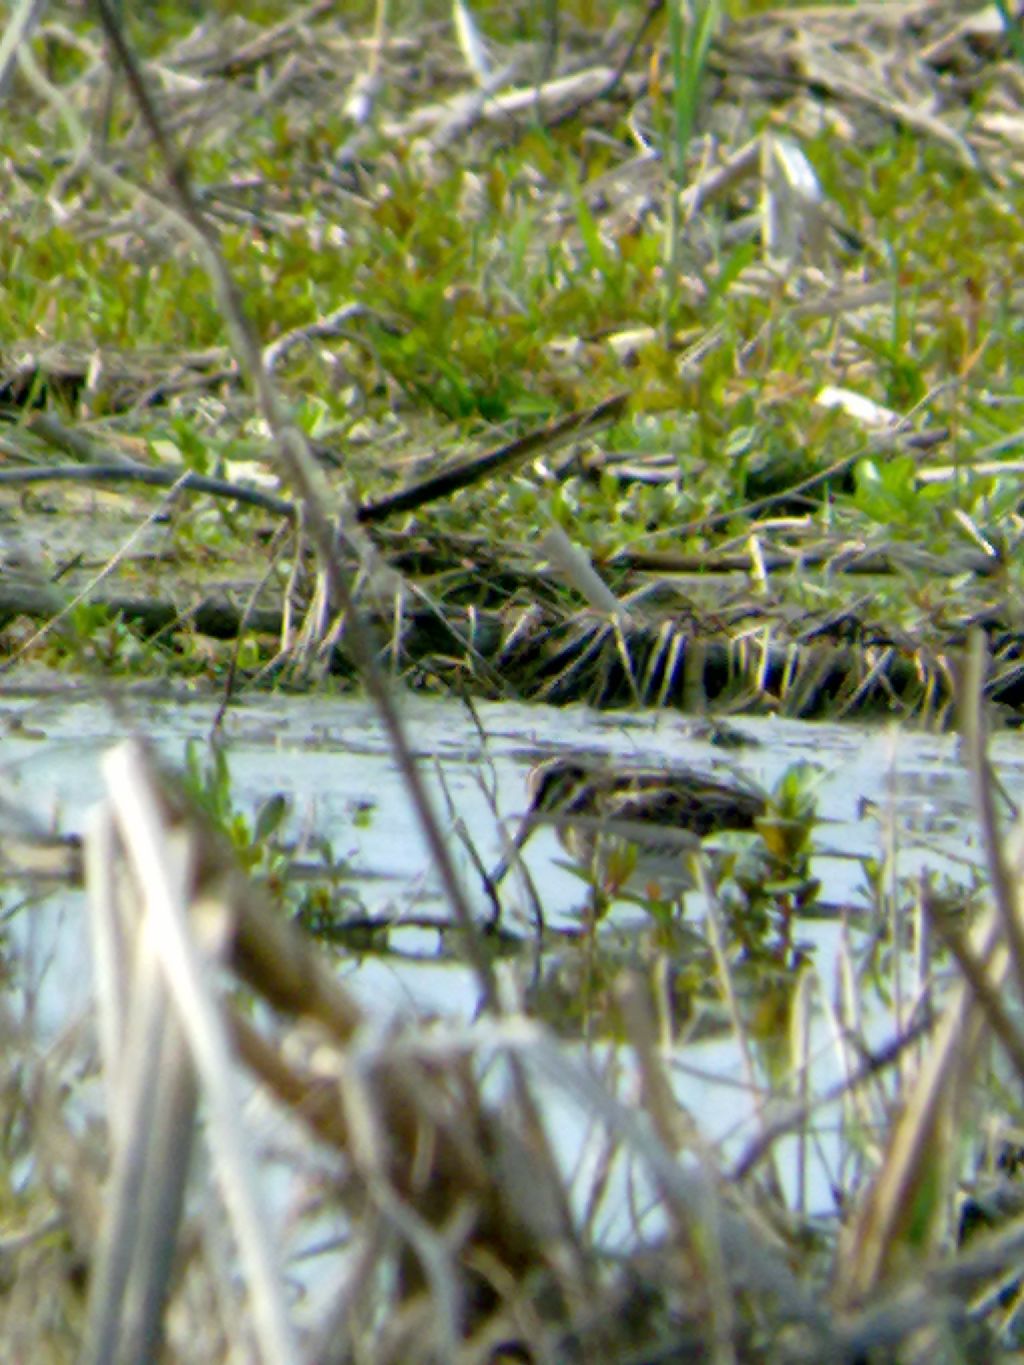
[{"x": 514, "y": 847}]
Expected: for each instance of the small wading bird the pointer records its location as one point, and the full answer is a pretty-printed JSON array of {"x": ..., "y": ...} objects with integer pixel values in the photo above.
[{"x": 633, "y": 825}]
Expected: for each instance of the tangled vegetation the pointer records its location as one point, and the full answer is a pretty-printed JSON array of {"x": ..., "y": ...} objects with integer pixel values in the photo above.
[
  {"x": 732, "y": 304},
  {"x": 618, "y": 352}
]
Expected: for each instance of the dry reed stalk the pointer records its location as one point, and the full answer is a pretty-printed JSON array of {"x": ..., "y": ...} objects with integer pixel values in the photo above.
[
  {"x": 907, "y": 1212},
  {"x": 466, "y": 1186}
]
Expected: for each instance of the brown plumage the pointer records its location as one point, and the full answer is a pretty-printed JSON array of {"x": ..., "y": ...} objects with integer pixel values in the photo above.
[{"x": 621, "y": 821}]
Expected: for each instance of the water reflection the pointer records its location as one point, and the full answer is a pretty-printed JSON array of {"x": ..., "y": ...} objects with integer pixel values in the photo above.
[{"x": 879, "y": 792}]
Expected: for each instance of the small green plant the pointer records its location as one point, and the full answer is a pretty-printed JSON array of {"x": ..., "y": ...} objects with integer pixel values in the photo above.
[
  {"x": 689, "y": 46},
  {"x": 264, "y": 847},
  {"x": 256, "y": 839},
  {"x": 771, "y": 882},
  {"x": 99, "y": 636},
  {"x": 889, "y": 492}
]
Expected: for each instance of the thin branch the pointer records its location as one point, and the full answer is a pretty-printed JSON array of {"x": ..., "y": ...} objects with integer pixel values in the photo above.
[{"x": 312, "y": 491}]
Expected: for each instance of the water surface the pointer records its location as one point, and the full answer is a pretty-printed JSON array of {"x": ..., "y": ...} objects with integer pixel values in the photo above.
[{"x": 330, "y": 758}]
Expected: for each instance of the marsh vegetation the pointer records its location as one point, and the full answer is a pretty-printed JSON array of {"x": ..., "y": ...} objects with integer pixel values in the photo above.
[{"x": 634, "y": 355}]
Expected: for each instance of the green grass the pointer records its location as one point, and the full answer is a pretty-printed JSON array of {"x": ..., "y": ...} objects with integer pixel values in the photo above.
[
  {"x": 494, "y": 288},
  {"x": 493, "y": 284}
]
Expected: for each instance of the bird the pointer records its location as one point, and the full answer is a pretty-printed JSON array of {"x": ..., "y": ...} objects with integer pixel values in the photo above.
[{"x": 625, "y": 824}]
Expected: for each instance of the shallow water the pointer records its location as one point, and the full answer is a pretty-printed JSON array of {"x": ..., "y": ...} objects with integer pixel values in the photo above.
[{"x": 330, "y": 756}]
